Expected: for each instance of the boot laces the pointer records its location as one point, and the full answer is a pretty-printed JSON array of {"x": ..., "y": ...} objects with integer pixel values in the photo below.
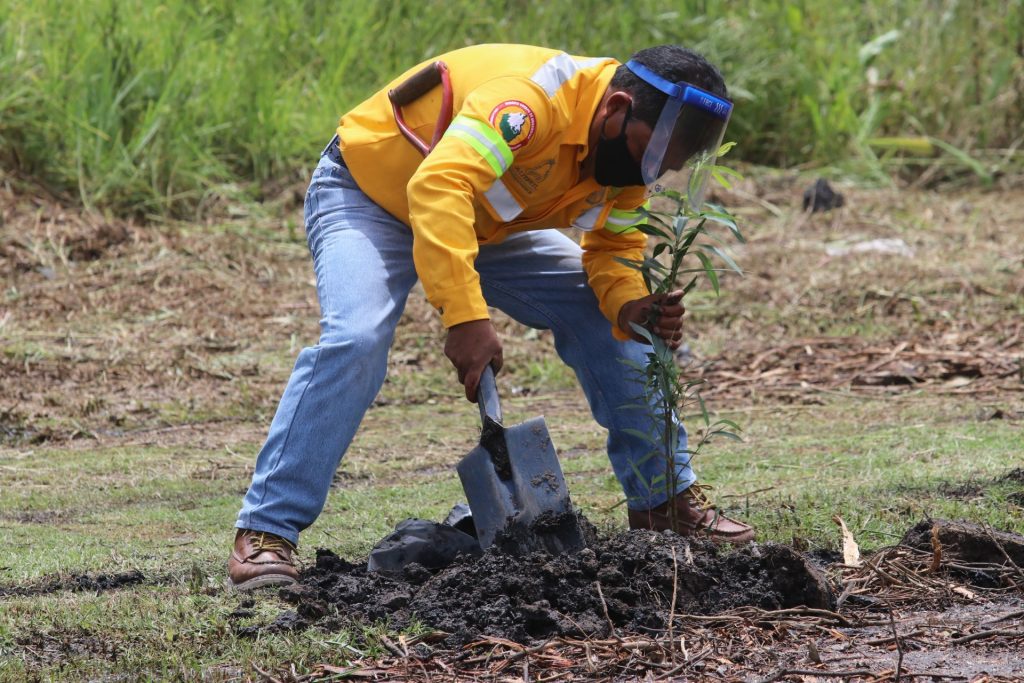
[
  {"x": 263, "y": 542},
  {"x": 700, "y": 496}
]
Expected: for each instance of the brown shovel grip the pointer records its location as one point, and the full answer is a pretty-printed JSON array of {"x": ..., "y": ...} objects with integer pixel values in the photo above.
[{"x": 416, "y": 86}]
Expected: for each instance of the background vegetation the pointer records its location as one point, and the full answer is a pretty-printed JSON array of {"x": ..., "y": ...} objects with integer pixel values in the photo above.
[{"x": 148, "y": 107}]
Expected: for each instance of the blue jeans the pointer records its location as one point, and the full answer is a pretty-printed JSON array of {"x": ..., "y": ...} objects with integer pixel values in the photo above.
[{"x": 362, "y": 256}]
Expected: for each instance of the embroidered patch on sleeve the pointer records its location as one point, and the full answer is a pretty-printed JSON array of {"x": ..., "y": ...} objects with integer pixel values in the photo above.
[{"x": 516, "y": 122}]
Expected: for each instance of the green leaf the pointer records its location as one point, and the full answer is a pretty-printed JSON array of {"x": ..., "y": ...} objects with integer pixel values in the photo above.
[
  {"x": 702, "y": 270},
  {"x": 657, "y": 266},
  {"x": 729, "y": 423},
  {"x": 965, "y": 159},
  {"x": 671, "y": 194},
  {"x": 721, "y": 253},
  {"x": 873, "y": 48},
  {"x": 919, "y": 144},
  {"x": 640, "y": 476},
  {"x": 720, "y": 178},
  {"x": 709, "y": 270},
  {"x": 795, "y": 19},
  {"x": 679, "y": 224},
  {"x": 643, "y": 435},
  {"x": 719, "y": 173},
  {"x": 694, "y": 233},
  {"x": 719, "y": 217},
  {"x": 726, "y": 170},
  {"x": 665, "y": 355},
  {"x": 728, "y": 435},
  {"x": 728, "y": 220},
  {"x": 659, "y": 217},
  {"x": 653, "y": 230},
  {"x": 631, "y": 263},
  {"x": 648, "y": 456},
  {"x": 643, "y": 332}
]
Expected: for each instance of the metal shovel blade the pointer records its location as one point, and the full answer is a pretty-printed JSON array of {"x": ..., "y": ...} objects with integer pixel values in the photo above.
[{"x": 513, "y": 480}]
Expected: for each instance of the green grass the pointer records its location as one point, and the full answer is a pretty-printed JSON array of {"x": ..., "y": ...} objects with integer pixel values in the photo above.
[
  {"x": 880, "y": 464},
  {"x": 148, "y": 107}
]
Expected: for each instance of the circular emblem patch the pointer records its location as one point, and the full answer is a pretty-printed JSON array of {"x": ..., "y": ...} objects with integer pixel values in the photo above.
[{"x": 515, "y": 121}]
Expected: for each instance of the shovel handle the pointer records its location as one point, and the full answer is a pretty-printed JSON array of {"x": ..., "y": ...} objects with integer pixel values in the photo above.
[
  {"x": 417, "y": 85},
  {"x": 487, "y": 397}
]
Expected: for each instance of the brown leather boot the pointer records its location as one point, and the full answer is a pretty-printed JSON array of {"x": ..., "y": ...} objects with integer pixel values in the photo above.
[
  {"x": 695, "y": 516},
  {"x": 260, "y": 559}
]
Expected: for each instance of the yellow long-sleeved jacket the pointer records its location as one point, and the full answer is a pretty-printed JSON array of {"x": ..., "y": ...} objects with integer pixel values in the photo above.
[{"x": 508, "y": 162}]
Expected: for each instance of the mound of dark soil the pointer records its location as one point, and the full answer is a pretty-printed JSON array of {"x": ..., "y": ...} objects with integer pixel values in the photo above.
[{"x": 626, "y": 580}]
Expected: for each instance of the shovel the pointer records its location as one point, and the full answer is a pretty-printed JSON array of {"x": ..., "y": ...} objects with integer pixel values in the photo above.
[{"x": 514, "y": 483}]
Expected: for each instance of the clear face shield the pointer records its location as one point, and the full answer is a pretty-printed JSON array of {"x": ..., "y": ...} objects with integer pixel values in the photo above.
[{"x": 687, "y": 135}]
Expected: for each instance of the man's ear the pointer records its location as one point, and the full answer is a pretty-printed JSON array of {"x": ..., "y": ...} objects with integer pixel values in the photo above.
[{"x": 617, "y": 101}]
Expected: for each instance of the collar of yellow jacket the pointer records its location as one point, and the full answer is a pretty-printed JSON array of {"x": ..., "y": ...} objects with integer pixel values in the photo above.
[{"x": 578, "y": 132}]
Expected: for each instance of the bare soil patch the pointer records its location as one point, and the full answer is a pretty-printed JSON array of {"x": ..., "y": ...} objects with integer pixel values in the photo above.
[
  {"x": 92, "y": 582},
  {"x": 62, "y": 645}
]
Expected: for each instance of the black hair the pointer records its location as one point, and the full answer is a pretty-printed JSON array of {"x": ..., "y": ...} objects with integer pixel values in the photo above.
[{"x": 676, "y": 64}]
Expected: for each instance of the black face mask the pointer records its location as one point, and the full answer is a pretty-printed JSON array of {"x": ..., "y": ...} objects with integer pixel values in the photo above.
[{"x": 613, "y": 164}]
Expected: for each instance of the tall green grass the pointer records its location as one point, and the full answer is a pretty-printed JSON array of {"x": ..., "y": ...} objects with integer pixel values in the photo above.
[{"x": 154, "y": 107}]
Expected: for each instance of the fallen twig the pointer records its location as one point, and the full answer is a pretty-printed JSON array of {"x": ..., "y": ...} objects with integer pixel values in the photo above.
[
  {"x": 899, "y": 644},
  {"x": 1005, "y": 617},
  {"x": 392, "y": 648},
  {"x": 266, "y": 675},
  {"x": 672, "y": 610},
  {"x": 604, "y": 608},
  {"x": 986, "y": 634},
  {"x": 889, "y": 639},
  {"x": 1002, "y": 550}
]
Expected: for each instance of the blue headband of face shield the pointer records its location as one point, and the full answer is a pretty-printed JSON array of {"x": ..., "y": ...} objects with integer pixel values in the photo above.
[{"x": 686, "y": 105}]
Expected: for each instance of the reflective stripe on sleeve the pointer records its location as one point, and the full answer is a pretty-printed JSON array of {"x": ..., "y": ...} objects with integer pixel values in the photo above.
[
  {"x": 621, "y": 222},
  {"x": 588, "y": 219},
  {"x": 504, "y": 204},
  {"x": 560, "y": 68},
  {"x": 485, "y": 140}
]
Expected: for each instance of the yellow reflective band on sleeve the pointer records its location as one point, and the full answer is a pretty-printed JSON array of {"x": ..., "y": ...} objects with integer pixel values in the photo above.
[
  {"x": 487, "y": 142},
  {"x": 621, "y": 222}
]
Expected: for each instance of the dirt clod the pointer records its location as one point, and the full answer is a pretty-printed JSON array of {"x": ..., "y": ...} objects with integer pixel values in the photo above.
[
  {"x": 967, "y": 541},
  {"x": 1015, "y": 475},
  {"x": 549, "y": 532}
]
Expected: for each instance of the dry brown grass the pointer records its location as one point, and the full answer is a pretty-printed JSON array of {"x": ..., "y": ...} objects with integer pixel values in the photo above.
[{"x": 111, "y": 327}]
